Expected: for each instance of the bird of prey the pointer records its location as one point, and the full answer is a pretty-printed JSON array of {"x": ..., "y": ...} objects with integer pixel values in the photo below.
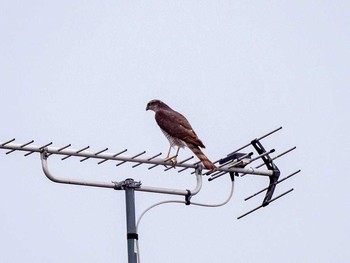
[{"x": 178, "y": 131}]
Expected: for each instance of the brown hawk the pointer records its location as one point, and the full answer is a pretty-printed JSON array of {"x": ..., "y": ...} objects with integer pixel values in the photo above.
[{"x": 178, "y": 131}]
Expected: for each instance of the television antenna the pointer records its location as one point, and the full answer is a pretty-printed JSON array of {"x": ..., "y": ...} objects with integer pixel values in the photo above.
[{"x": 235, "y": 164}]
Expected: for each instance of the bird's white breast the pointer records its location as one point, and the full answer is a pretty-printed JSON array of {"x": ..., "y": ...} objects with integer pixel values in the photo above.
[{"x": 174, "y": 141}]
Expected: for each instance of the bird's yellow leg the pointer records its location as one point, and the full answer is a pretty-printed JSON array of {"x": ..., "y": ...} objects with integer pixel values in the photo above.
[
  {"x": 178, "y": 149},
  {"x": 167, "y": 156},
  {"x": 174, "y": 159}
]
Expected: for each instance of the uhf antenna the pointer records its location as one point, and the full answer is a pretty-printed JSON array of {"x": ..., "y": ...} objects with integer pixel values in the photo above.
[{"x": 235, "y": 164}]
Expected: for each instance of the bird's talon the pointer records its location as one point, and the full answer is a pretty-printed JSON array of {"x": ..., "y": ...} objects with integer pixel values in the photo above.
[{"x": 173, "y": 160}]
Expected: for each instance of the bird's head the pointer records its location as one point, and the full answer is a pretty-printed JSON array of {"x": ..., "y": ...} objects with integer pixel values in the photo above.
[{"x": 155, "y": 105}]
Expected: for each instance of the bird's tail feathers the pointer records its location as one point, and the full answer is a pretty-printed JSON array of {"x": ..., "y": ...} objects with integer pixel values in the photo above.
[{"x": 201, "y": 156}]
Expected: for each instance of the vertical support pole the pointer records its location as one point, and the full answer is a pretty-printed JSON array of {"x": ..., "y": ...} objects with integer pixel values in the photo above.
[{"x": 132, "y": 235}]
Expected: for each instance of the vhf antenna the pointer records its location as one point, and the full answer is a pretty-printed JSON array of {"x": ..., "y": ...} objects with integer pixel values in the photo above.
[{"x": 234, "y": 164}]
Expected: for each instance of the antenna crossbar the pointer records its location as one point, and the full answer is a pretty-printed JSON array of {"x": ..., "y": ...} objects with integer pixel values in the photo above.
[{"x": 104, "y": 156}]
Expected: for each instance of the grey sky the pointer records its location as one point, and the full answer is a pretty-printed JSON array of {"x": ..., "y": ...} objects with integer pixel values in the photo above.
[{"x": 83, "y": 72}]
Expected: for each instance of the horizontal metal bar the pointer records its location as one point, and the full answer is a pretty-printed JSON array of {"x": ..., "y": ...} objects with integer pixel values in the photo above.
[
  {"x": 85, "y": 148},
  {"x": 183, "y": 161},
  {"x": 161, "y": 190},
  {"x": 219, "y": 174},
  {"x": 82, "y": 160},
  {"x": 112, "y": 185},
  {"x": 177, "y": 191},
  {"x": 207, "y": 173},
  {"x": 119, "y": 153},
  {"x": 260, "y": 206},
  {"x": 151, "y": 158},
  {"x": 215, "y": 172},
  {"x": 280, "y": 181},
  {"x": 137, "y": 155},
  {"x": 64, "y": 147},
  {"x": 109, "y": 156},
  {"x": 106, "y": 149},
  {"x": 187, "y": 159},
  {"x": 189, "y": 167},
  {"x": 154, "y": 156},
  {"x": 55, "y": 179},
  {"x": 21, "y": 146},
  {"x": 42, "y": 147},
  {"x": 167, "y": 163},
  {"x": 230, "y": 165},
  {"x": 60, "y": 149},
  {"x": 79, "y": 151}
]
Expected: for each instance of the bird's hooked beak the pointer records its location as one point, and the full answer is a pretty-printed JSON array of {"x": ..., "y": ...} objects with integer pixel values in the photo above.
[{"x": 147, "y": 108}]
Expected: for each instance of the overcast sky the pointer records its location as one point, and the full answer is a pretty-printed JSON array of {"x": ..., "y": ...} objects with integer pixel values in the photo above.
[{"x": 82, "y": 72}]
